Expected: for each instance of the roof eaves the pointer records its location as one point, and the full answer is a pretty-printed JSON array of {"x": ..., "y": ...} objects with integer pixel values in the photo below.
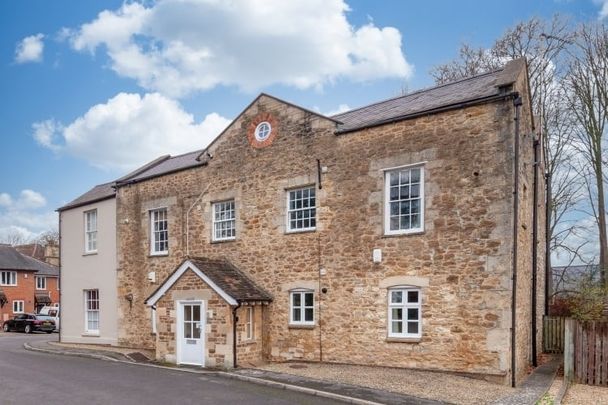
[
  {"x": 143, "y": 168},
  {"x": 140, "y": 179},
  {"x": 83, "y": 203},
  {"x": 436, "y": 110},
  {"x": 424, "y": 90}
]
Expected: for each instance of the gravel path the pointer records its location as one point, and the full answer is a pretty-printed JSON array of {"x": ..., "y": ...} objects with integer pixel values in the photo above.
[
  {"x": 422, "y": 384},
  {"x": 579, "y": 394}
]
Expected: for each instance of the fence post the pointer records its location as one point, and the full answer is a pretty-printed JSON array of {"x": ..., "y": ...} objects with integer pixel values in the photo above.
[{"x": 569, "y": 350}]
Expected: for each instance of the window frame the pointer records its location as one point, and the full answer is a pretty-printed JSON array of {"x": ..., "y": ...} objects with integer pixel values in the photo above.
[
  {"x": 22, "y": 302},
  {"x": 90, "y": 234},
  {"x": 153, "y": 233},
  {"x": 387, "y": 200},
  {"x": 38, "y": 278},
  {"x": 87, "y": 311},
  {"x": 12, "y": 277},
  {"x": 249, "y": 323},
  {"x": 288, "y": 192},
  {"x": 404, "y": 306},
  {"x": 302, "y": 307},
  {"x": 215, "y": 222}
]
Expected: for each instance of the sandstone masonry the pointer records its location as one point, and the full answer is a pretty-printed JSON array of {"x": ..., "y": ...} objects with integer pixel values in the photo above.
[{"x": 461, "y": 262}]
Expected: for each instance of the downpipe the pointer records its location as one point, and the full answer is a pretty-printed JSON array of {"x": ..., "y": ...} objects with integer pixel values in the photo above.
[
  {"x": 536, "y": 144},
  {"x": 517, "y": 103},
  {"x": 234, "y": 324}
]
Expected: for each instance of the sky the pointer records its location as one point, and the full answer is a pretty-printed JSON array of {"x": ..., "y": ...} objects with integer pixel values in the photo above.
[{"x": 91, "y": 90}]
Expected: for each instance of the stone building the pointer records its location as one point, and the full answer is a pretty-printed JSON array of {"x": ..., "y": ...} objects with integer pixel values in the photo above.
[{"x": 403, "y": 233}]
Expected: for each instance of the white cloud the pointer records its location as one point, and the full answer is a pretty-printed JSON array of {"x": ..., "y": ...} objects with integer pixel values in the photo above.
[
  {"x": 5, "y": 199},
  {"x": 45, "y": 131},
  {"x": 129, "y": 130},
  {"x": 604, "y": 8},
  {"x": 340, "y": 109},
  {"x": 180, "y": 46},
  {"x": 25, "y": 215},
  {"x": 30, "y": 49}
]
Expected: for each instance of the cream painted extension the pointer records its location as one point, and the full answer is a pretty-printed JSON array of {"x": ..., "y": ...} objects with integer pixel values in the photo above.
[{"x": 88, "y": 269}]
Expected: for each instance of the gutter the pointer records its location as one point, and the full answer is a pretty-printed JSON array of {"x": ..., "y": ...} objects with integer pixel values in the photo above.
[
  {"x": 431, "y": 111},
  {"x": 517, "y": 103}
]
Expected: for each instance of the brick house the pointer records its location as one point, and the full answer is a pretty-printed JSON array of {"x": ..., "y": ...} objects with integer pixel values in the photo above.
[
  {"x": 404, "y": 233},
  {"x": 26, "y": 284}
]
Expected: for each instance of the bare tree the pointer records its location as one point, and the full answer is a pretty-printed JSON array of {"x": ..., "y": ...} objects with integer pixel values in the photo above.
[
  {"x": 545, "y": 46},
  {"x": 13, "y": 237},
  {"x": 47, "y": 238},
  {"x": 587, "y": 81}
]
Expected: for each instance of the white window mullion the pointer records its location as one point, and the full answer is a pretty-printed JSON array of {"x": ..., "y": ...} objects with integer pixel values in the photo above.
[
  {"x": 159, "y": 232},
  {"x": 8, "y": 278},
  {"x": 91, "y": 302},
  {"x": 404, "y": 200},
  {"x": 90, "y": 231},
  {"x": 302, "y": 308},
  {"x": 404, "y": 313},
  {"x": 301, "y": 209},
  {"x": 224, "y": 221}
]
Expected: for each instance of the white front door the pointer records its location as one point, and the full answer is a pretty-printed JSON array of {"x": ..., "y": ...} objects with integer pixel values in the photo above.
[{"x": 191, "y": 333}]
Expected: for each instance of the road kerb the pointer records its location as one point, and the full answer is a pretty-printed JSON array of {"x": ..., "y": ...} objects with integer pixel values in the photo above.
[{"x": 255, "y": 380}]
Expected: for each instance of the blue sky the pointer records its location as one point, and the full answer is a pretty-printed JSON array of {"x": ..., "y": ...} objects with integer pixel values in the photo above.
[{"x": 87, "y": 96}]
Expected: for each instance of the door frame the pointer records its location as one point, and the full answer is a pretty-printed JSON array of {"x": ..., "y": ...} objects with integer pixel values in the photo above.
[{"x": 179, "y": 330}]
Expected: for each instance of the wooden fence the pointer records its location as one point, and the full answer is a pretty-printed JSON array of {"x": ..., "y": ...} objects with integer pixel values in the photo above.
[
  {"x": 586, "y": 354},
  {"x": 553, "y": 334}
]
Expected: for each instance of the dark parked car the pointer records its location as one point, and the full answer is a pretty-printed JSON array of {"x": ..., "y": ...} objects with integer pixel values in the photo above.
[{"x": 29, "y": 323}]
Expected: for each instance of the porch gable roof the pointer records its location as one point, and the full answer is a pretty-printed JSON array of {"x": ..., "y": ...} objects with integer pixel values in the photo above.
[{"x": 225, "y": 279}]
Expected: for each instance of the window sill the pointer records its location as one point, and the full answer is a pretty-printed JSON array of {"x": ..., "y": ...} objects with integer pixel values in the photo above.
[
  {"x": 89, "y": 253},
  {"x": 297, "y": 231},
  {"x": 293, "y": 326},
  {"x": 165, "y": 254},
  {"x": 403, "y": 340},
  {"x": 396, "y": 235},
  {"x": 223, "y": 240},
  {"x": 90, "y": 334}
]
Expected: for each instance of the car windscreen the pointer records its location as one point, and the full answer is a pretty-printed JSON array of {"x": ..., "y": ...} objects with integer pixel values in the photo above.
[{"x": 44, "y": 318}]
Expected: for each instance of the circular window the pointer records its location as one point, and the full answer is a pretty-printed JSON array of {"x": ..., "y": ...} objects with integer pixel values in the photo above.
[{"x": 262, "y": 131}]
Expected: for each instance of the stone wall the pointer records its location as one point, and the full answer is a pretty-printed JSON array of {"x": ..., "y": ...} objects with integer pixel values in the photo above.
[
  {"x": 218, "y": 325},
  {"x": 462, "y": 260}
]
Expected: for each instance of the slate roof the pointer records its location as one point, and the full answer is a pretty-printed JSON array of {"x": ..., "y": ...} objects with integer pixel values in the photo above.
[
  {"x": 164, "y": 165},
  {"x": 230, "y": 279},
  {"x": 43, "y": 268},
  {"x": 477, "y": 87},
  {"x": 11, "y": 259},
  {"x": 98, "y": 193}
]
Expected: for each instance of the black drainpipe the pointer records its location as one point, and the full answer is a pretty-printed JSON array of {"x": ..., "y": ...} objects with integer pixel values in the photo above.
[
  {"x": 548, "y": 272},
  {"x": 234, "y": 321},
  {"x": 517, "y": 103},
  {"x": 534, "y": 248}
]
